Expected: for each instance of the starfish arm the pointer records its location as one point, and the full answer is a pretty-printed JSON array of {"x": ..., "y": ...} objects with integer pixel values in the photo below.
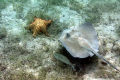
[
  {"x": 46, "y": 33},
  {"x": 48, "y": 22},
  {"x": 34, "y": 34},
  {"x": 31, "y": 26},
  {"x": 36, "y": 31},
  {"x": 44, "y": 30}
]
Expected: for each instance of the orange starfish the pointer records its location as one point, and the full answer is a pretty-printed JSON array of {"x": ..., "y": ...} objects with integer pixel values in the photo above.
[{"x": 39, "y": 25}]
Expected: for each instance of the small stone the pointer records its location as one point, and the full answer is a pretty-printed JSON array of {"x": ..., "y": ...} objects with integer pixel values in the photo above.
[
  {"x": 46, "y": 49},
  {"x": 115, "y": 47},
  {"x": 103, "y": 63},
  {"x": 117, "y": 43},
  {"x": 109, "y": 46}
]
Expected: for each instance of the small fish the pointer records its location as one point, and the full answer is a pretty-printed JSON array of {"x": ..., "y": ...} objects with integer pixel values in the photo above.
[{"x": 64, "y": 59}]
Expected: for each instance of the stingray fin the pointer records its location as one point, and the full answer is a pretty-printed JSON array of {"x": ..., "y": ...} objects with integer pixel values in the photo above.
[
  {"x": 105, "y": 60},
  {"x": 87, "y": 27},
  {"x": 89, "y": 34}
]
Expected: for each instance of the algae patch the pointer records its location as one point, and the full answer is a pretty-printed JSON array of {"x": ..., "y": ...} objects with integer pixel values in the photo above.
[{"x": 3, "y": 32}]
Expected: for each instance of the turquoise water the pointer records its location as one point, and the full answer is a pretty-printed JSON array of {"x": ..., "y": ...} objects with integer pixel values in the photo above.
[{"x": 24, "y": 57}]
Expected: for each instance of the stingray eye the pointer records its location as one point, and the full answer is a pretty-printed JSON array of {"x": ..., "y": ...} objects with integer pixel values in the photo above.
[{"x": 67, "y": 35}]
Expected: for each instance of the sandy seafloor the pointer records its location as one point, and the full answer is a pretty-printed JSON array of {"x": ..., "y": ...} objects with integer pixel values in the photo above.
[{"x": 23, "y": 57}]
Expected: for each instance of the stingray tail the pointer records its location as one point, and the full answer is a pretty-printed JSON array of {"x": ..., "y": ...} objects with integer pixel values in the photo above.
[{"x": 105, "y": 61}]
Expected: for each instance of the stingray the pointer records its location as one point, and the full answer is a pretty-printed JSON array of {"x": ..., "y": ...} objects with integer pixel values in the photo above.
[{"x": 82, "y": 42}]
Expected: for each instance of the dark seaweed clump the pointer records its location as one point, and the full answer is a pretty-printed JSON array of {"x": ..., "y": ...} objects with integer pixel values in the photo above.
[{"x": 3, "y": 32}]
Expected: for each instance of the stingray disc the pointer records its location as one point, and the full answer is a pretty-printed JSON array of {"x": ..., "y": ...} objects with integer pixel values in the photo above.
[{"x": 70, "y": 40}]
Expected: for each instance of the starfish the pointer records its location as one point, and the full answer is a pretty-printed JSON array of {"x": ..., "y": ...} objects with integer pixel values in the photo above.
[{"x": 39, "y": 25}]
